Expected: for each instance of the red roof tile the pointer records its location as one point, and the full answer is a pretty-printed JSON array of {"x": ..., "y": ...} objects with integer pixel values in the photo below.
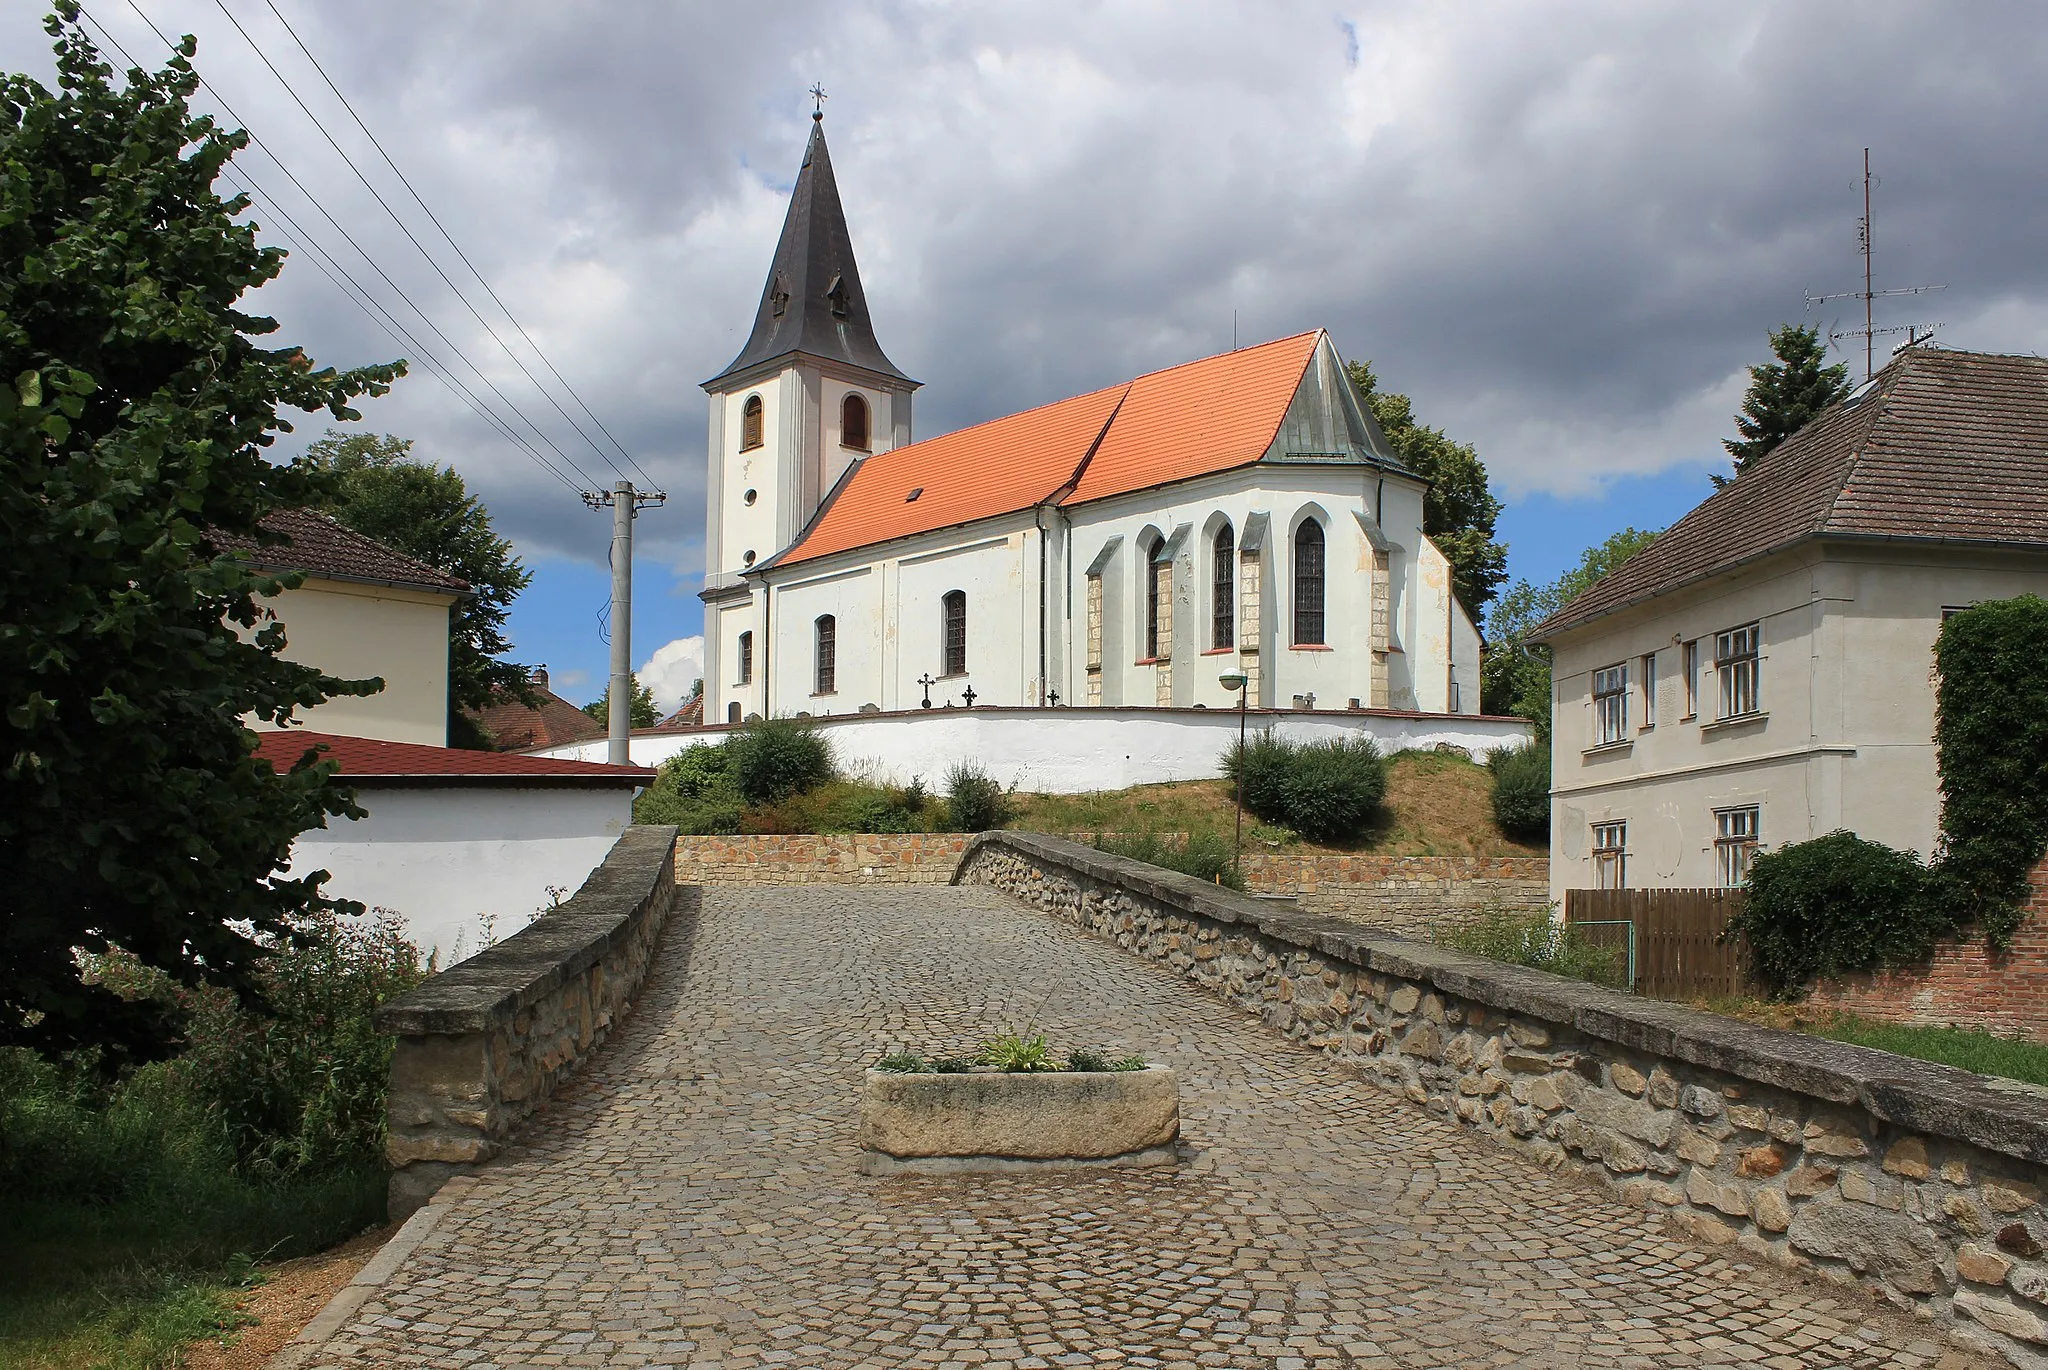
[
  {"x": 513, "y": 726},
  {"x": 319, "y": 546},
  {"x": 366, "y": 759},
  {"x": 1190, "y": 420}
]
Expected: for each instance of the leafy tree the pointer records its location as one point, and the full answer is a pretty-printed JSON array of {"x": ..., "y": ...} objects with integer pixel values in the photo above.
[
  {"x": 133, "y": 422},
  {"x": 1784, "y": 395},
  {"x": 426, "y": 511},
  {"x": 1515, "y": 675},
  {"x": 643, "y": 714},
  {"x": 1460, "y": 509}
]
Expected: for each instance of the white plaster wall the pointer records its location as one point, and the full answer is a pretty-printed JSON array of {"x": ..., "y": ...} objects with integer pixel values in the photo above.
[
  {"x": 1079, "y": 751},
  {"x": 854, "y": 599},
  {"x": 355, "y": 631},
  {"x": 448, "y": 859},
  {"x": 1466, "y": 649},
  {"x": 991, "y": 572},
  {"x": 766, "y": 470}
]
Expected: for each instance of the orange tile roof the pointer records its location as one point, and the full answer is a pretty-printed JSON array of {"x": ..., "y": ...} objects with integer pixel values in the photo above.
[{"x": 1188, "y": 420}]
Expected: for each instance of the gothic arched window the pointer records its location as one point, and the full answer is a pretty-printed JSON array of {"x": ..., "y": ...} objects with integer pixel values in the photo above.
[
  {"x": 1223, "y": 590},
  {"x": 750, "y": 423},
  {"x": 828, "y": 654},
  {"x": 1153, "y": 592},
  {"x": 853, "y": 423},
  {"x": 1308, "y": 584},
  {"x": 954, "y": 617}
]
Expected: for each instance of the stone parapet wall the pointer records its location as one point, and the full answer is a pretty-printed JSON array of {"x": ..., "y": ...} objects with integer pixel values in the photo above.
[
  {"x": 820, "y": 859},
  {"x": 1964, "y": 982},
  {"x": 484, "y": 1042},
  {"x": 1920, "y": 1181}
]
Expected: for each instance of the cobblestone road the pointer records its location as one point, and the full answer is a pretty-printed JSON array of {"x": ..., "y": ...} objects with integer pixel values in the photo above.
[{"x": 692, "y": 1198}]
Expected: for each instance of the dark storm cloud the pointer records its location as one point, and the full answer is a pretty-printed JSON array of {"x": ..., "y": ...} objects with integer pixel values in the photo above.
[{"x": 1563, "y": 229}]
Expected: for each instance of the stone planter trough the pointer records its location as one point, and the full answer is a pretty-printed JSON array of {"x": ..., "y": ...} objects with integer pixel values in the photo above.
[{"x": 1060, "y": 1119}]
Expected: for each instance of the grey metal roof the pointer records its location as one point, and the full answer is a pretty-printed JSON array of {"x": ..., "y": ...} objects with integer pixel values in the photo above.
[{"x": 813, "y": 302}]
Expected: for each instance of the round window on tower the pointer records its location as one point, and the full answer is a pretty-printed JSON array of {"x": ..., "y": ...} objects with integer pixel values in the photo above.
[
  {"x": 750, "y": 496},
  {"x": 748, "y": 559}
]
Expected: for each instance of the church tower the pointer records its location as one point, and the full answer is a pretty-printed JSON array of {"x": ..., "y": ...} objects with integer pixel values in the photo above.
[{"x": 809, "y": 395}]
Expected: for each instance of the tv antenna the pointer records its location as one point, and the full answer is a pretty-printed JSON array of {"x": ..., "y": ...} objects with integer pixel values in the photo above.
[{"x": 1868, "y": 294}]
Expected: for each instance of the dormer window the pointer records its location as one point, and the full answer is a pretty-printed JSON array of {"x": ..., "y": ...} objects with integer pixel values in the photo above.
[
  {"x": 750, "y": 423},
  {"x": 853, "y": 423},
  {"x": 836, "y": 293},
  {"x": 778, "y": 296}
]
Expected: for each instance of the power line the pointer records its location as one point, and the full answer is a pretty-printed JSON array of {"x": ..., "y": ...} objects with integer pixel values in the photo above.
[
  {"x": 372, "y": 262},
  {"x": 436, "y": 221},
  {"x": 410, "y": 237}
]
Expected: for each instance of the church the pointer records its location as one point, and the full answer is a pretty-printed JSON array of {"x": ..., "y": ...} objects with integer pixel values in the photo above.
[{"x": 1240, "y": 514}]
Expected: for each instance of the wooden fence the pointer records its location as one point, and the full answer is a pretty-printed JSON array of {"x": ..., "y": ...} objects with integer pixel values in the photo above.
[{"x": 1678, "y": 951}]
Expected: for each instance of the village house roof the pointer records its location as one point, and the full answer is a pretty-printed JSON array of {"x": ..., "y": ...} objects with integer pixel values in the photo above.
[
  {"x": 813, "y": 302},
  {"x": 319, "y": 546},
  {"x": 1940, "y": 447},
  {"x": 1201, "y": 417},
  {"x": 690, "y": 715},
  {"x": 514, "y": 726},
  {"x": 366, "y": 761}
]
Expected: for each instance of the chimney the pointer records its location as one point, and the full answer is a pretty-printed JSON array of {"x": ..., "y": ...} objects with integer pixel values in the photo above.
[{"x": 540, "y": 676}]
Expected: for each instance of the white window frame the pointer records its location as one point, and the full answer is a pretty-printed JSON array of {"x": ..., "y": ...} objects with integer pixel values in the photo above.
[
  {"x": 1689, "y": 669},
  {"x": 1610, "y": 704},
  {"x": 1737, "y": 831},
  {"x": 1738, "y": 663},
  {"x": 1649, "y": 672},
  {"x": 1610, "y": 855}
]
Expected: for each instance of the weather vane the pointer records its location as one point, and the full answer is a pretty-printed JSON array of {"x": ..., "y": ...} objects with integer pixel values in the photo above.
[{"x": 818, "y": 98}]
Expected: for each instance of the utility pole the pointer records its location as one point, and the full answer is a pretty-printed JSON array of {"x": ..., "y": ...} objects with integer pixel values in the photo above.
[{"x": 625, "y": 505}]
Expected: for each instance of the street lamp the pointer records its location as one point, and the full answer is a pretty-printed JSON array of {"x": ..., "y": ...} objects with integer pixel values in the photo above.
[{"x": 1237, "y": 682}]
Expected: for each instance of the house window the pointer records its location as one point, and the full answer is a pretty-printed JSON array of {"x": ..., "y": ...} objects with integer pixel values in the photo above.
[
  {"x": 1689, "y": 668},
  {"x": 1610, "y": 704},
  {"x": 1610, "y": 855},
  {"x": 746, "y": 658},
  {"x": 1223, "y": 590},
  {"x": 954, "y": 615},
  {"x": 828, "y": 654},
  {"x": 1735, "y": 662},
  {"x": 1153, "y": 567},
  {"x": 750, "y": 423},
  {"x": 1649, "y": 665},
  {"x": 853, "y": 423},
  {"x": 1735, "y": 834},
  {"x": 1308, "y": 584}
]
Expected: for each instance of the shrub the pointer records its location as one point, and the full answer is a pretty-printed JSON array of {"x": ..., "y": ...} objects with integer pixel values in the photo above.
[
  {"x": 1836, "y": 904},
  {"x": 1205, "y": 856},
  {"x": 974, "y": 801},
  {"x": 1536, "y": 940},
  {"x": 695, "y": 790},
  {"x": 1521, "y": 792},
  {"x": 1326, "y": 791},
  {"x": 774, "y": 758}
]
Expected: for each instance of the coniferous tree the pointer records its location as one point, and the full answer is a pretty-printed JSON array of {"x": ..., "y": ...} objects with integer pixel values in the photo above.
[{"x": 1784, "y": 395}]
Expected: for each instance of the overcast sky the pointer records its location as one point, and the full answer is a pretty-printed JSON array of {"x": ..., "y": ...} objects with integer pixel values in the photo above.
[{"x": 1564, "y": 229}]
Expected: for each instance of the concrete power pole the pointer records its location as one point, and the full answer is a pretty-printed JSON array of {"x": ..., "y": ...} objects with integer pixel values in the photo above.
[{"x": 625, "y": 505}]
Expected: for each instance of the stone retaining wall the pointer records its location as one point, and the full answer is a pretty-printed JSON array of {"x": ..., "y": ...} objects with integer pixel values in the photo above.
[
  {"x": 1919, "y": 1181},
  {"x": 484, "y": 1042},
  {"x": 1403, "y": 892}
]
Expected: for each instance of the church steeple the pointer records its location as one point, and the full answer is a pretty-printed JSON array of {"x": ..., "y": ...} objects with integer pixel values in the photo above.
[{"x": 813, "y": 302}]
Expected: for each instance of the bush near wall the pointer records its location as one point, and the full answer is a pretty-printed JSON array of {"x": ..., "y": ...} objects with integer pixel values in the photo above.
[
  {"x": 1521, "y": 792},
  {"x": 1326, "y": 791}
]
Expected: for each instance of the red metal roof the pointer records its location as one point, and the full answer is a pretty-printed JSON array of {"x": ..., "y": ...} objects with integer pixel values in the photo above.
[
  {"x": 365, "y": 758},
  {"x": 1189, "y": 420}
]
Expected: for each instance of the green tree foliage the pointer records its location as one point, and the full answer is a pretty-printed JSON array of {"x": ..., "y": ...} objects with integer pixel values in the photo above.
[
  {"x": 1326, "y": 791},
  {"x": 1785, "y": 394},
  {"x": 1515, "y": 675},
  {"x": 1460, "y": 509},
  {"x": 134, "y": 415},
  {"x": 426, "y": 512},
  {"x": 775, "y": 758},
  {"x": 643, "y": 714},
  {"x": 1834, "y": 905},
  {"x": 1521, "y": 792},
  {"x": 696, "y": 790}
]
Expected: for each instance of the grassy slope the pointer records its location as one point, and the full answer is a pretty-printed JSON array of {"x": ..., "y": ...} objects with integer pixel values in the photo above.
[{"x": 1437, "y": 805}]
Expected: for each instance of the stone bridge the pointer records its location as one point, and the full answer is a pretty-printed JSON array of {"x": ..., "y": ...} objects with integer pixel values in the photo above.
[{"x": 690, "y": 1196}]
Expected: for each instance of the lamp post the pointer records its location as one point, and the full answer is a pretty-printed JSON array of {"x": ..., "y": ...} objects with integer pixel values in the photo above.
[{"x": 1238, "y": 682}]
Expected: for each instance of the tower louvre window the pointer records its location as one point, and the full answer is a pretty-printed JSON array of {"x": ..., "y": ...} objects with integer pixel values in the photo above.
[
  {"x": 954, "y": 614},
  {"x": 853, "y": 423},
  {"x": 1308, "y": 584},
  {"x": 750, "y": 423},
  {"x": 1223, "y": 590},
  {"x": 836, "y": 293}
]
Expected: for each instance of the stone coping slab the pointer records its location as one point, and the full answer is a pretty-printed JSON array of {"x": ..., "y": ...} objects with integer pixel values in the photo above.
[
  {"x": 489, "y": 989},
  {"x": 2002, "y": 1116},
  {"x": 997, "y": 1120}
]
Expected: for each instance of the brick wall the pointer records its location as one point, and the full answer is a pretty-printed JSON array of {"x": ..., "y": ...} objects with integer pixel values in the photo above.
[
  {"x": 1403, "y": 893},
  {"x": 1964, "y": 982}
]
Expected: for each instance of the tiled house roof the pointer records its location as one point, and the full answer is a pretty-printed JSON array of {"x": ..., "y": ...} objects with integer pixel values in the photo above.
[
  {"x": 1943, "y": 447},
  {"x": 1209, "y": 415},
  {"x": 691, "y": 715},
  {"x": 366, "y": 760},
  {"x": 513, "y": 726},
  {"x": 321, "y": 547}
]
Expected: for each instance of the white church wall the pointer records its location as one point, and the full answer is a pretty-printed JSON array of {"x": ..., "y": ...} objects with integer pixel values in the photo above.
[
  {"x": 1465, "y": 655},
  {"x": 989, "y": 570},
  {"x": 1079, "y": 751},
  {"x": 741, "y": 526},
  {"x": 1432, "y": 643},
  {"x": 853, "y": 598}
]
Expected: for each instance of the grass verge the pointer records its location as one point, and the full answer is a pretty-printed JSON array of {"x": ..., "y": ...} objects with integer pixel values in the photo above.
[{"x": 1971, "y": 1049}]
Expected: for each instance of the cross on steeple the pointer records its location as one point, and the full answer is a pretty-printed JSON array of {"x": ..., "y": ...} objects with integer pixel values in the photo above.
[{"x": 818, "y": 97}]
